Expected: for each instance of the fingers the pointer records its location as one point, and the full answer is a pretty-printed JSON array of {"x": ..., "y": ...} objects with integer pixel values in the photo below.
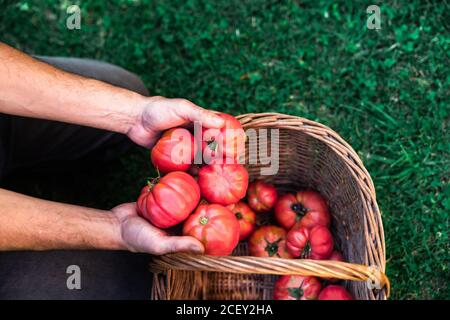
[
  {"x": 172, "y": 244},
  {"x": 140, "y": 236},
  {"x": 192, "y": 112}
]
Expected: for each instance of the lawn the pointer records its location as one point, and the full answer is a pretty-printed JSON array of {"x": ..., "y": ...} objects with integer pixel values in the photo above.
[{"x": 387, "y": 92}]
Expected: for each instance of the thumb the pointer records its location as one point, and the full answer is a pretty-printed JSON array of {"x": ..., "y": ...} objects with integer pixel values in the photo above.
[
  {"x": 195, "y": 113},
  {"x": 172, "y": 244}
]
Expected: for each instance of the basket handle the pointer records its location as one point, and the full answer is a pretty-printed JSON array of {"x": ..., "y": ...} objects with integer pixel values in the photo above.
[{"x": 277, "y": 266}]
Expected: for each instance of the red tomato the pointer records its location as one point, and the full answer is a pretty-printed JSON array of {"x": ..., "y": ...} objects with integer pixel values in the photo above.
[
  {"x": 335, "y": 292},
  {"x": 308, "y": 207},
  {"x": 268, "y": 241},
  {"x": 335, "y": 256},
  {"x": 216, "y": 227},
  {"x": 226, "y": 143},
  {"x": 261, "y": 196},
  {"x": 169, "y": 200},
  {"x": 223, "y": 183},
  {"x": 296, "y": 288},
  {"x": 315, "y": 243},
  {"x": 246, "y": 218},
  {"x": 174, "y": 151}
]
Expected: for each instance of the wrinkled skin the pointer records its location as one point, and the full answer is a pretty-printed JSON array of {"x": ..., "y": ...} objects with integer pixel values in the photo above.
[
  {"x": 261, "y": 196},
  {"x": 335, "y": 292},
  {"x": 296, "y": 288},
  {"x": 316, "y": 243},
  {"x": 216, "y": 227},
  {"x": 224, "y": 145},
  {"x": 170, "y": 200},
  {"x": 268, "y": 241},
  {"x": 246, "y": 218},
  {"x": 223, "y": 184},
  {"x": 174, "y": 151},
  {"x": 307, "y": 207}
]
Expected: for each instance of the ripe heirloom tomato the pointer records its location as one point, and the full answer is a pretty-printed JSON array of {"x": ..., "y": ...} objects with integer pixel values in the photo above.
[
  {"x": 315, "y": 243},
  {"x": 216, "y": 227},
  {"x": 296, "y": 288},
  {"x": 261, "y": 196},
  {"x": 223, "y": 183},
  {"x": 169, "y": 200},
  {"x": 268, "y": 241},
  {"x": 308, "y": 207},
  {"x": 226, "y": 143},
  {"x": 246, "y": 218},
  {"x": 335, "y": 292},
  {"x": 174, "y": 151}
]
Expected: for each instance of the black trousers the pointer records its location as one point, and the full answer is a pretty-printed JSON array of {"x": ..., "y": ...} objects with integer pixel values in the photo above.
[{"x": 34, "y": 145}]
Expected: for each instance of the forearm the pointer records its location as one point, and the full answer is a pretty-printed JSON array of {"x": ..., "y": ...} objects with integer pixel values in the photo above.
[
  {"x": 35, "y": 89},
  {"x": 27, "y": 223}
]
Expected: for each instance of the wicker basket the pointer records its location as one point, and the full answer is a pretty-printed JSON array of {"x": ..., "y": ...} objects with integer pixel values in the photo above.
[{"x": 311, "y": 156}]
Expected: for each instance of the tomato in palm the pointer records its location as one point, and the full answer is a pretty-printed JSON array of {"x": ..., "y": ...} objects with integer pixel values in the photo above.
[
  {"x": 315, "y": 243},
  {"x": 226, "y": 143},
  {"x": 174, "y": 151},
  {"x": 246, "y": 218},
  {"x": 216, "y": 227},
  {"x": 268, "y": 241},
  {"x": 308, "y": 207},
  {"x": 335, "y": 292},
  {"x": 261, "y": 196},
  {"x": 296, "y": 288},
  {"x": 223, "y": 183},
  {"x": 169, "y": 200}
]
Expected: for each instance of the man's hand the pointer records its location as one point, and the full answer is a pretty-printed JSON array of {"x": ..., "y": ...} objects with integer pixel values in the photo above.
[
  {"x": 158, "y": 114},
  {"x": 28, "y": 223},
  {"x": 89, "y": 102},
  {"x": 139, "y": 235}
]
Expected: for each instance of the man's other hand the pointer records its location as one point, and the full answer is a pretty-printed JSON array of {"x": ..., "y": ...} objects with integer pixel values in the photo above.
[{"x": 138, "y": 235}]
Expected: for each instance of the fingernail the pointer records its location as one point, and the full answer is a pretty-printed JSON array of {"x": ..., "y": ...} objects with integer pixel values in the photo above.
[{"x": 196, "y": 249}]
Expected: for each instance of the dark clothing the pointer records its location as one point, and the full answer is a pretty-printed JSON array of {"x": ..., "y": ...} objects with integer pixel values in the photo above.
[
  {"x": 104, "y": 275},
  {"x": 30, "y": 145}
]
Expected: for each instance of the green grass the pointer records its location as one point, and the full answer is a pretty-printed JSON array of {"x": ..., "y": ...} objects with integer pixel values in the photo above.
[{"x": 386, "y": 92}]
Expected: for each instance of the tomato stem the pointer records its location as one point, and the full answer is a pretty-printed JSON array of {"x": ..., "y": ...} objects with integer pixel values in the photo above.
[
  {"x": 213, "y": 145},
  {"x": 151, "y": 182},
  {"x": 272, "y": 247},
  {"x": 299, "y": 209},
  {"x": 203, "y": 221},
  {"x": 297, "y": 293},
  {"x": 306, "y": 251},
  {"x": 239, "y": 215}
]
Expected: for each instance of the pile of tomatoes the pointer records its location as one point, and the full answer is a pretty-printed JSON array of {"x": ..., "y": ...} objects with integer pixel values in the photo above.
[
  {"x": 300, "y": 230},
  {"x": 208, "y": 201}
]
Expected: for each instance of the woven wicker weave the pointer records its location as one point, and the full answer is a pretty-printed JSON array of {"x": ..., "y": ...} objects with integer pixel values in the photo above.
[{"x": 311, "y": 156}]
